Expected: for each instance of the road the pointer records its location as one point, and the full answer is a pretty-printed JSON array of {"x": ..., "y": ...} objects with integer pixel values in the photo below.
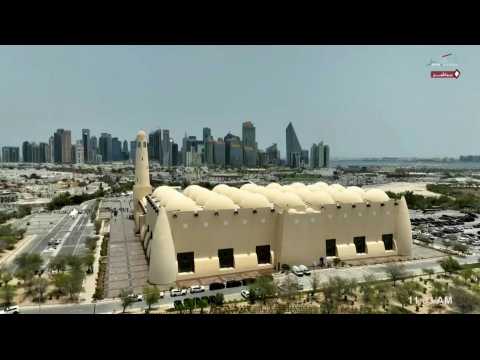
[
  {"x": 358, "y": 272},
  {"x": 72, "y": 232}
]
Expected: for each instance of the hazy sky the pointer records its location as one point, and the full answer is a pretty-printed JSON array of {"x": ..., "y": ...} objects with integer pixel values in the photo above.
[{"x": 362, "y": 100}]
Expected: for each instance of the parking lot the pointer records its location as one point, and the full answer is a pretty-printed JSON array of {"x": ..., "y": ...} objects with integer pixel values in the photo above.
[{"x": 447, "y": 229}]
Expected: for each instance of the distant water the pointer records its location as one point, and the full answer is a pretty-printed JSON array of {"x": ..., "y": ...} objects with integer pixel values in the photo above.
[{"x": 450, "y": 165}]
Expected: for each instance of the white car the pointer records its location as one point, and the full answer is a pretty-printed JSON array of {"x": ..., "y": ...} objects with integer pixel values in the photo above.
[
  {"x": 14, "y": 309},
  {"x": 296, "y": 270},
  {"x": 136, "y": 297},
  {"x": 304, "y": 269},
  {"x": 245, "y": 294},
  {"x": 162, "y": 294},
  {"x": 178, "y": 292},
  {"x": 196, "y": 289}
]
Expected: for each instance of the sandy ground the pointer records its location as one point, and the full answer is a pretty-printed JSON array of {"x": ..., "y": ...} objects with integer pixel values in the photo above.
[
  {"x": 418, "y": 188},
  {"x": 8, "y": 255}
]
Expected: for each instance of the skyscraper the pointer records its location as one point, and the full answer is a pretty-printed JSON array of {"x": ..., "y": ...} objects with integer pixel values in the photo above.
[
  {"x": 79, "y": 152},
  {"x": 116, "y": 149},
  {"x": 166, "y": 149},
  {"x": 93, "y": 150},
  {"x": 27, "y": 154},
  {"x": 125, "y": 150},
  {"x": 313, "y": 156},
  {"x": 175, "y": 154},
  {"x": 43, "y": 152},
  {"x": 294, "y": 150},
  {"x": 86, "y": 145},
  {"x": 11, "y": 154},
  {"x": 272, "y": 155},
  {"x": 219, "y": 152},
  {"x": 326, "y": 158},
  {"x": 105, "y": 145},
  {"x": 207, "y": 135},
  {"x": 233, "y": 151},
  {"x": 51, "y": 148},
  {"x": 133, "y": 150},
  {"x": 248, "y": 134}
]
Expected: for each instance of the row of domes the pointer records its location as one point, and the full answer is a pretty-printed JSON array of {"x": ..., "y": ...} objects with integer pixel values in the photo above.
[{"x": 296, "y": 196}]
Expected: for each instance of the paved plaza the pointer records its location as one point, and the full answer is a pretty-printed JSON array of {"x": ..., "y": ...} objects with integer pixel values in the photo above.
[{"x": 127, "y": 266}]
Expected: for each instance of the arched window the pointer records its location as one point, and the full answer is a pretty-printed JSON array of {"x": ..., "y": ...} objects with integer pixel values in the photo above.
[{"x": 139, "y": 144}]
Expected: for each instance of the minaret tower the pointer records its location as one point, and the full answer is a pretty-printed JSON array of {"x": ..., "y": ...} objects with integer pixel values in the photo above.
[{"x": 142, "y": 185}]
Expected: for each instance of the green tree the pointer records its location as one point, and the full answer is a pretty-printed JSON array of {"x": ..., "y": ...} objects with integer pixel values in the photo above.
[
  {"x": 24, "y": 210},
  {"x": 315, "y": 283},
  {"x": 202, "y": 304},
  {"x": 466, "y": 274},
  {"x": 126, "y": 299},
  {"x": 5, "y": 276},
  {"x": 449, "y": 265},
  {"x": 88, "y": 260},
  {"x": 428, "y": 272},
  {"x": 7, "y": 294},
  {"x": 28, "y": 265},
  {"x": 395, "y": 272},
  {"x": 60, "y": 281},
  {"x": 463, "y": 301},
  {"x": 460, "y": 247},
  {"x": 189, "y": 304},
  {"x": 39, "y": 287},
  {"x": 439, "y": 289},
  {"x": 151, "y": 295},
  {"x": 219, "y": 299},
  {"x": 91, "y": 243},
  {"x": 403, "y": 296},
  {"x": 264, "y": 288}
]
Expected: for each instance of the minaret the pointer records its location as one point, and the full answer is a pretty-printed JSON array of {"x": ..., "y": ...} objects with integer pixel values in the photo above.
[{"x": 142, "y": 185}]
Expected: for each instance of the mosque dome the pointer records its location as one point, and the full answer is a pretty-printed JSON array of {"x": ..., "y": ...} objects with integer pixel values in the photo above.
[
  {"x": 254, "y": 201},
  {"x": 376, "y": 195},
  {"x": 274, "y": 185},
  {"x": 181, "y": 203},
  {"x": 346, "y": 197},
  {"x": 319, "y": 198},
  {"x": 219, "y": 202}
]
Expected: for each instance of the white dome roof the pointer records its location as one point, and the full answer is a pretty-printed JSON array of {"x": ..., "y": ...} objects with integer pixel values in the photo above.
[
  {"x": 181, "y": 203},
  {"x": 288, "y": 200},
  {"x": 248, "y": 187},
  {"x": 321, "y": 183},
  {"x": 347, "y": 197},
  {"x": 298, "y": 185},
  {"x": 254, "y": 201},
  {"x": 318, "y": 186},
  {"x": 274, "y": 185},
  {"x": 302, "y": 192},
  {"x": 376, "y": 195},
  {"x": 159, "y": 191},
  {"x": 221, "y": 189},
  {"x": 189, "y": 189},
  {"x": 357, "y": 190},
  {"x": 219, "y": 202},
  {"x": 272, "y": 194},
  {"x": 202, "y": 196},
  {"x": 237, "y": 195},
  {"x": 337, "y": 187},
  {"x": 319, "y": 198},
  {"x": 169, "y": 196}
]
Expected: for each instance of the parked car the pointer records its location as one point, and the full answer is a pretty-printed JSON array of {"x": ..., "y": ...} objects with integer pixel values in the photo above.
[
  {"x": 162, "y": 294},
  {"x": 296, "y": 270},
  {"x": 304, "y": 269},
  {"x": 233, "y": 283},
  {"x": 196, "y": 289},
  {"x": 178, "y": 292},
  {"x": 136, "y": 297},
  {"x": 245, "y": 293},
  {"x": 13, "y": 309},
  {"x": 216, "y": 286}
]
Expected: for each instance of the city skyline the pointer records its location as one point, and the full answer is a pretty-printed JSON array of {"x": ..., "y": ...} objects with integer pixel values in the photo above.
[{"x": 382, "y": 94}]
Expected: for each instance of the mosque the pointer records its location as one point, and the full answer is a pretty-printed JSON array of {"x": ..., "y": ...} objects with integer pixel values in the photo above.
[{"x": 198, "y": 233}]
